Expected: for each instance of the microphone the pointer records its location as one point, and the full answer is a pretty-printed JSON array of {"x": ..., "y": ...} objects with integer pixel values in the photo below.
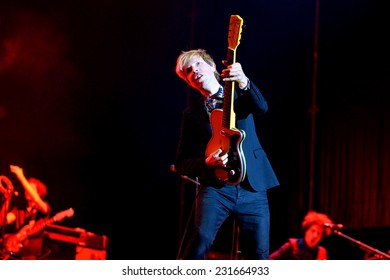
[
  {"x": 173, "y": 168},
  {"x": 333, "y": 226}
]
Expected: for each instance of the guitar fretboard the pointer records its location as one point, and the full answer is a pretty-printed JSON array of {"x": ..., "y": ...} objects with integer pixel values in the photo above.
[{"x": 229, "y": 117}]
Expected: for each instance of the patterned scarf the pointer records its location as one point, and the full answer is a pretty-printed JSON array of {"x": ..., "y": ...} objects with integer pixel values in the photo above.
[{"x": 214, "y": 101}]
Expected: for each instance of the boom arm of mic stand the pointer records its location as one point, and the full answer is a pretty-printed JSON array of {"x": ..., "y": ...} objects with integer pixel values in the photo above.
[
  {"x": 189, "y": 179},
  {"x": 196, "y": 182},
  {"x": 363, "y": 245}
]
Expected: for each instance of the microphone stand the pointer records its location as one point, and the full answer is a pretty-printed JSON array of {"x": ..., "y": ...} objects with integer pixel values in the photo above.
[
  {"x": 193, "y": 208},
  {"x": 363, "y": 246},
  {"x": 234, "y": 254}
]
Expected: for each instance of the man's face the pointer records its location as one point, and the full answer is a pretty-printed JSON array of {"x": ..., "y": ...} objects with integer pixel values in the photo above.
[{"x": 199, "y": 74}]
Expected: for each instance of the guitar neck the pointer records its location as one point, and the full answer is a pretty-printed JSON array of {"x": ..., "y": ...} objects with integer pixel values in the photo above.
[
  {"x": 43, "y": 222},
  {"x": 39, "y": 225},
  {"x": 229, "y": 117}
]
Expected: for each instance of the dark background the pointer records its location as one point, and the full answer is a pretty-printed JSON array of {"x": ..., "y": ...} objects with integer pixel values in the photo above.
[{"x": 90, "y": 103}]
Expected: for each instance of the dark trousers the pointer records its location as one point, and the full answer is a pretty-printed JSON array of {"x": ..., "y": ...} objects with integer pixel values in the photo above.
[{"x": 251, "y": 211}]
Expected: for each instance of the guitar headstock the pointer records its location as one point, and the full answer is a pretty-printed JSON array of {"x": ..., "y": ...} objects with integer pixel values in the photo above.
[
  {"x": 63, "y": 214},
  {"x": 235, "y": 29}
]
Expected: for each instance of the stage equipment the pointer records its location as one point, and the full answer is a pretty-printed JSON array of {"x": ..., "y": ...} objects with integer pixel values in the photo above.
[{"x": 63, "y": 243}]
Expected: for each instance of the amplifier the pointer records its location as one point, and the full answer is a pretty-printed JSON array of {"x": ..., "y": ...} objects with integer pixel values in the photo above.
[{"x": 63, "y": 243}]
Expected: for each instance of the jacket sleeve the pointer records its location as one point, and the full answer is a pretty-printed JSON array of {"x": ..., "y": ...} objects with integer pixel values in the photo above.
[
  {"x": 250, "y": 101},
  {"x": 283, "y": 253}
]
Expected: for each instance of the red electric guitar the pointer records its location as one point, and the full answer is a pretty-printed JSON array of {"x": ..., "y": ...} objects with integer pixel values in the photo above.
[{"x": 225, "y": 135}]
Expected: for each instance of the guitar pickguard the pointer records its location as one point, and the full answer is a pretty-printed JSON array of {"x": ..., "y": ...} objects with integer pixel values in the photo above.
[{"x": 230, "y": 141}]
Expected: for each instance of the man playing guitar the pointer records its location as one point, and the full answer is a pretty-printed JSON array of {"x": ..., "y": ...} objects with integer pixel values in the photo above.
[{"x": 222, "y": 149}]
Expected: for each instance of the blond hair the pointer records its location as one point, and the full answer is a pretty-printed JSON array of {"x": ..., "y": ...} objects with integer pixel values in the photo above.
[{"x": 186, "y": 56}]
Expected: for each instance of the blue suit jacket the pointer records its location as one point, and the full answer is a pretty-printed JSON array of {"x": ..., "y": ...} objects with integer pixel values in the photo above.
[{"x": 196, "y": 132}]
